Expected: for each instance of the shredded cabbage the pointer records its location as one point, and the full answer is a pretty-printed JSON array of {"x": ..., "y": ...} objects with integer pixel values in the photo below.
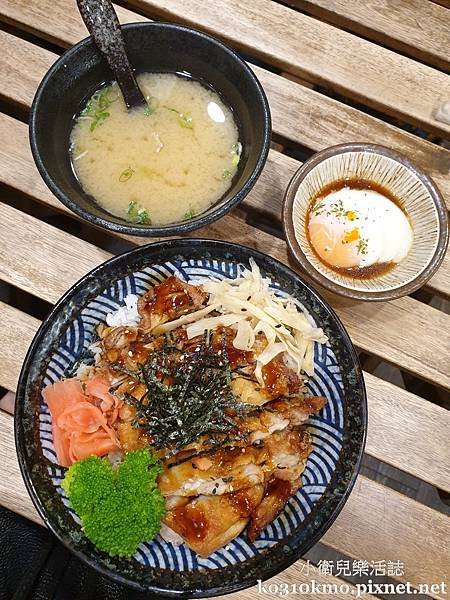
[{"x": 251, "y": 307}]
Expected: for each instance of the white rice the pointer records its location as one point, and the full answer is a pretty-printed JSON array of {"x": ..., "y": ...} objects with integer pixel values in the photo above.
[
  {"x": 125, "y": 315},
  {"x": 84, "y": 369}
]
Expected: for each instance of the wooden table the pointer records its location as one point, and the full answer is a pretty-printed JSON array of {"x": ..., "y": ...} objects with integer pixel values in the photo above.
[{"x": 328, "y": 67}]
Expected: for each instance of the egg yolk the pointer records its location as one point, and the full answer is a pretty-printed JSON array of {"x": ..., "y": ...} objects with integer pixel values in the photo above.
[{"x": 332, "y": 242}]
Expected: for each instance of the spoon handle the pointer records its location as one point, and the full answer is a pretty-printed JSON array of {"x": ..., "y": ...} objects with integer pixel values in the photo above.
[{"x": 101, "y": 20}]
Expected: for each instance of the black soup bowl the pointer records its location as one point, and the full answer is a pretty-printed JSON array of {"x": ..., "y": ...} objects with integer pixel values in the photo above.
[{"x": 152, "y": 47}]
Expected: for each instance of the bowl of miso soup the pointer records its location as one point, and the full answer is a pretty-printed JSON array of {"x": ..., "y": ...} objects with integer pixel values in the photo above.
[{"x": 180, "y": 162}]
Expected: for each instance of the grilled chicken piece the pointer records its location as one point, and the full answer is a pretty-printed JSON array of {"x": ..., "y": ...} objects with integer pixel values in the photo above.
[
  {"x": 124, "y": 346},
  {"x": 298, "y": 410},
  {"x": 290, "y": 451},
  {"x": 275, "y": 416},
  {"x": 131, "y": 387},
  {"x": 220, "y": 472},
  {"x": 130, "y": 438},
  {"x": 276, "y": 494},
  {"x": 230, "y": 469},
  {"x": 224, "y": 337},
  {"x": 167, "y": 301},
  {"x": 249, "y": 392},
  {"x": 118, "y": 337},
  {"x": 208, "y": 523},
  {"x": 279, "y": 379}
]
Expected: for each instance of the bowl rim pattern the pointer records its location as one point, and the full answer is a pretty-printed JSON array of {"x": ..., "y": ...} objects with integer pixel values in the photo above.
[{"x": 282, "y": 555}]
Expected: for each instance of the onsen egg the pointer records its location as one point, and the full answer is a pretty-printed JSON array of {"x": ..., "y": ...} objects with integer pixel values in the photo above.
[{"x": 356, "y": 228}]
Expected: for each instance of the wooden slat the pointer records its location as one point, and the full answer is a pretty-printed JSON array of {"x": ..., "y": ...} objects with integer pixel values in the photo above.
[
  {"x": 409, "y": 531},
  {"x": 418, "y": 28},
  {"x": 408, "y": 319},
  {"x": 16, "y": 333},
  {"x": 320, "y": 53},
  {"x": 299, "y": 114},
  {"x": 395, "y": 415},
  {"x": 290, "y": 40},
  {"x": 17, "y": 160},
  {"x": 407, "y": 432},
  {"x": 316, "y": 121},
  {"x": 385, "y": 525},
  {"x": 13, "y": 495}
]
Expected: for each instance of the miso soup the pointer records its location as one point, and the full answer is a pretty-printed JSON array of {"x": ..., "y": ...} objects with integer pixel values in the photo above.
[{"x": 162, "y": 164}]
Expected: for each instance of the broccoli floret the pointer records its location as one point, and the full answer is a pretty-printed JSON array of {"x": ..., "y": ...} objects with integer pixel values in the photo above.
[
  {"x": 87, "y": 483},
  {"x": 119, "y": 508}
]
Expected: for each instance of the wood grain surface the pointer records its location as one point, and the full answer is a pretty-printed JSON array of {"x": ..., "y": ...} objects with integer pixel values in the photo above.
[
  {"x": 298, "y": 113},
  {"x": 320, "y": 53},
  {"x": 407, "y": 432},
  {"x": 402, "y": 529},
  {"x": 395, "y": 415},
  {"x": 16, "y": 333},
  {"x": 418, "y": 28},
  {"x": 404, "y": 430},
  {"x": 13, "y": 493}
]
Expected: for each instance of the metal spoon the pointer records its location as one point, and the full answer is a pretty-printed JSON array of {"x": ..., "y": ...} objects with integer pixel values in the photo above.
[{"x": 101, "y": 20}]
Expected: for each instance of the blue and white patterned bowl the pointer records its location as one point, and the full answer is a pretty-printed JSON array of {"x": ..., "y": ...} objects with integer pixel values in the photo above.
[{"x": 338, "y": 432}]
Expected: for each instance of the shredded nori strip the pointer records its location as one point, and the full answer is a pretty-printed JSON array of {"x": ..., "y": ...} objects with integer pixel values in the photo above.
[{"x": 189, "y": 396}]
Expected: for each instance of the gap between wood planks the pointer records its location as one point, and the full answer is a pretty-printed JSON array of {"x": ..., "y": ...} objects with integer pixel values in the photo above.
[
  {"x": 325, "y": 121},
  {"x": 414, "y": 28}
]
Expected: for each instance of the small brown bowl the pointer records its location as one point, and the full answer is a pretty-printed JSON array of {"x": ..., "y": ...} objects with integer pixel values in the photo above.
[{"x": 420, "y": 199}]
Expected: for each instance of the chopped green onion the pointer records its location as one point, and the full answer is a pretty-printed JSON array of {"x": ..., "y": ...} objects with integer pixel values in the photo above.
[
  {"x": 143, "y": 217},
  {"x": 96, "y": 106},
  {"x": 190, "y": 214},
  {"x": 126, "y": 174},
  {"x": 226, "y": 174},
  {"x": 107, "y": 97},
  {"x": 138, "y": 215},
  {"x": 236, "y": 151},
  {"x": 100, "y": 117},
  {"x": 152, "y": 105},
  {"x": 131, "y": 207},
  {"x": 185, "y": 120}
]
